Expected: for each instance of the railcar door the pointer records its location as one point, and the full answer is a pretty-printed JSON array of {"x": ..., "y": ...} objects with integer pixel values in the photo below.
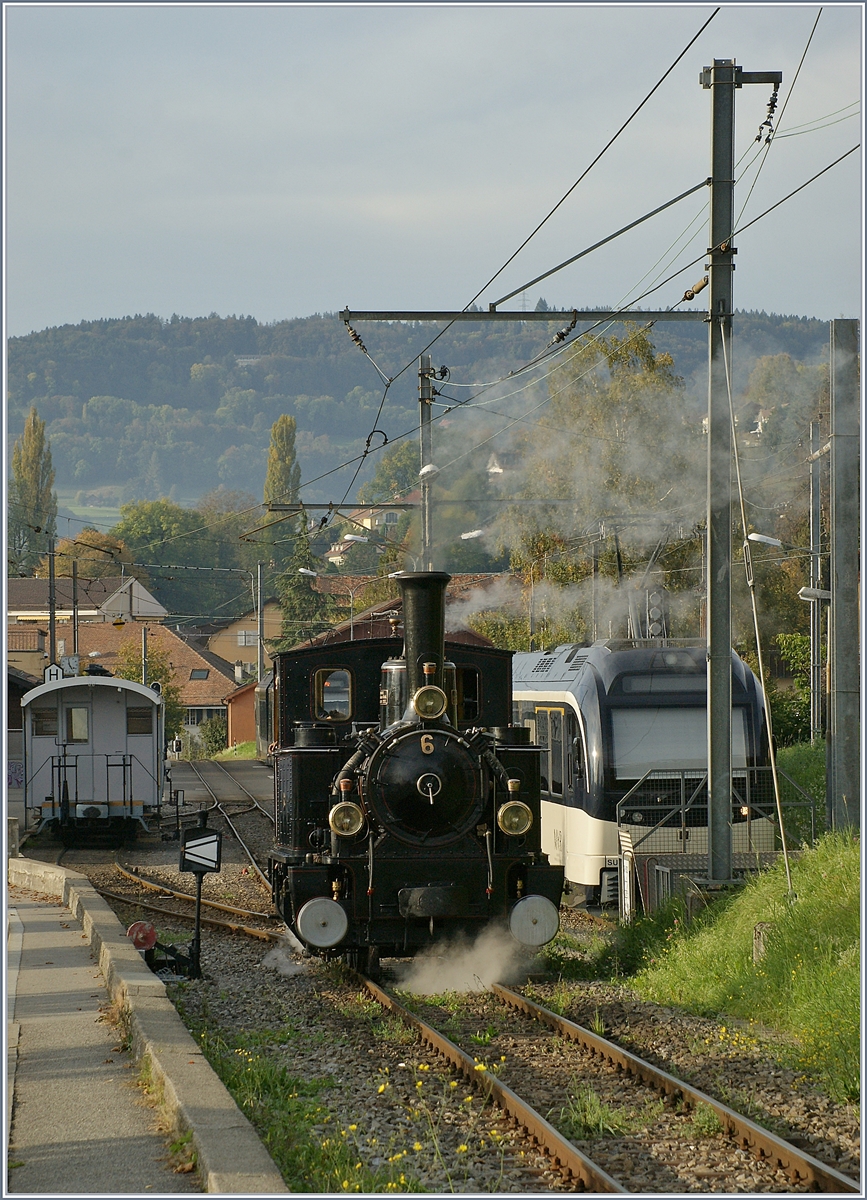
[
  {"x": 550, "y": 724},
  {"x": 77, "y": 762}
]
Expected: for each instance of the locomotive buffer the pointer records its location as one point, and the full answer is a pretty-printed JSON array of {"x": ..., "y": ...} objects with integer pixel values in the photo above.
[{"x": 200, "y": 853}]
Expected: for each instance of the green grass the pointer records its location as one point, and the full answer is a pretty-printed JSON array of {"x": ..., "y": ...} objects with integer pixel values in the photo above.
[
  {"x": 240, "y": 750},
  {"x": 312, "y": 1151},
  {"x": 808, "y": 983}
]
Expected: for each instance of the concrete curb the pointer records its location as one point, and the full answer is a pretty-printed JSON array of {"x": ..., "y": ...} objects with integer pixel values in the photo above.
[{"x": 231, "y": 1158}]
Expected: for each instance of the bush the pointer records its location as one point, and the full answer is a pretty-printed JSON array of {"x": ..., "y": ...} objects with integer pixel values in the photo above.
[{"x": 214, "y": 734}]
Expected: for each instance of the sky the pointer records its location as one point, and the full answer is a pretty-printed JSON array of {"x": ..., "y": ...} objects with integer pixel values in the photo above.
[{"x": 281, "y": 160}]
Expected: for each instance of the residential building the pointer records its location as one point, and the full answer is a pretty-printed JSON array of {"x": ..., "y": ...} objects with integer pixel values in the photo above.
[
  {"x": 98, "y": 600},
  {"x": 238, "y": 641}
]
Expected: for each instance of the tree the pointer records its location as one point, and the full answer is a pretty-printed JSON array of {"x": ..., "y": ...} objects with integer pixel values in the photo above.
[
  {"x": 395, "y": 476},
  {"x": 160, "y": 670},
  {"x": 32, "y": 500},
  {"x": 162, "y": 533},
  {"x": 282, "y": 481},
  {"x": 98, "y": 555},
  {"x": 305, "y": 612},
  {"x": 214, "y": 734}
]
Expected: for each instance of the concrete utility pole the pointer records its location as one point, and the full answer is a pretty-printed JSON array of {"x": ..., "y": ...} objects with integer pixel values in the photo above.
[
  {"x": 425, "y": 396},
  {"x": 144, "y": 655},
  {"x": 723, "y": 78},
  {"x": 844, "y": 794}
]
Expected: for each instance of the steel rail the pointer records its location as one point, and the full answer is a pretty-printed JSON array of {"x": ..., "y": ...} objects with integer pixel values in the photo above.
[
  {"x": 167, "y": 891},
  {"x": 569, "y": 1158},
  {"x": 265, "y": 935},
  {"x": 245, "y": 790},
  {"x": 218, "y": 805},
  {"x": 800, "y": 1167}
]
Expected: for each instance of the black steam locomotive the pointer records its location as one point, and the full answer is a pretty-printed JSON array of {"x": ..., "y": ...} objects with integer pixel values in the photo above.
[{"x": 407, "y": 807}]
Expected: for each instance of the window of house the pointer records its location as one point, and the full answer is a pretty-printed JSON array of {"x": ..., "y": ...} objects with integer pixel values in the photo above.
[
  {"x": 332, "y": 695},
  {"x": 248, "y": 637},
  {"x": 199, "y": 673},
  {"x": 44, "y": 722},
  {"x": 139, "y": 720},
  {"x": 76, "y": 725}
]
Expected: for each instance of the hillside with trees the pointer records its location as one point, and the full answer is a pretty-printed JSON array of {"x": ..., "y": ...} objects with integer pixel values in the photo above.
[{"x": 140, "y": 408}]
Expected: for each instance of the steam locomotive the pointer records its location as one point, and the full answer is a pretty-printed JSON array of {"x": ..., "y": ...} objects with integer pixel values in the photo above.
[{"x": 407, "y": 807}]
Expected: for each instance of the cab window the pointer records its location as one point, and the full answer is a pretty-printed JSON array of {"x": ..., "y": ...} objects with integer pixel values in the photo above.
[
  {"x": 468, "y": 685},
  {"x": 332, "y": 695}
]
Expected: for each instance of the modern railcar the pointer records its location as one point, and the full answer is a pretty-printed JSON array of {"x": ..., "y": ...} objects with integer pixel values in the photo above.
[
  {"x": 623, "y": 730},
  {"x": 407, "y": 806},
  {"x": 94, "y": 756}
]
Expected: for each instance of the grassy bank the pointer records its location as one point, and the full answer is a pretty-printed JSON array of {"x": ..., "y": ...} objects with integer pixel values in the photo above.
[
  {"x": 808, "y": 982},
  {"x": 239, "y": 750}
]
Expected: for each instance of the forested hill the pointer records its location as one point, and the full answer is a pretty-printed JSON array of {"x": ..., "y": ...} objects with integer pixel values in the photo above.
[{"x": 140, "y": 407}]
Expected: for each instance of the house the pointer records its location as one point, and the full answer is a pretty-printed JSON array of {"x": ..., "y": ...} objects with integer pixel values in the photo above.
[
  {"x": 241, "y": 713},
  {"x": 26, "y": 648},
  {"x": 98, "y": 600},
  {"x": 374, "y": 519},
  {"x": 237, "y": 641},
  {"x": 202, "y": 677}
]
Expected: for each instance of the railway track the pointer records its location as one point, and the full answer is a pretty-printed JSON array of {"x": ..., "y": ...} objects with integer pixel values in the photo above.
[
  {"x": 668, "y": 1102},
  {"x": 220, "y": 806}
]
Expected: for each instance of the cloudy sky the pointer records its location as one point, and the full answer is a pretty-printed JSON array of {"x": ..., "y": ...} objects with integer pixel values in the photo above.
[{"x": 279, "y": 160}]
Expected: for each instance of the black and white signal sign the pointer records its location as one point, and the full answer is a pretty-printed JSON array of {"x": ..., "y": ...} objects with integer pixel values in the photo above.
[{"x": 200, "y": 851}]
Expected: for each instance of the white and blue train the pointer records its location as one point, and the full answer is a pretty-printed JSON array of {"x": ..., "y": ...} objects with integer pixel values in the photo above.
[
  {"x": 94, "y": 756},
  {"x": 622, "y": 727}
]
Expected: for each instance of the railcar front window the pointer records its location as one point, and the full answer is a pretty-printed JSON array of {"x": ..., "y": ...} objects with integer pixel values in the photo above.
[
  {"x": 76, "y": 725},
  {"x": 332, "y": 700},
  {"x": 669, "y": 739}
]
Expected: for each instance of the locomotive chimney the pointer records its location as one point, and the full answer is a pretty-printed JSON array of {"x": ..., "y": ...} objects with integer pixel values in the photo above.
[{"x": 424, "y": 625}]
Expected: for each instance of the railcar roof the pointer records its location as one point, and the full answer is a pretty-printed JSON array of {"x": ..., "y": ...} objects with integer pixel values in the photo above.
[
  {"x": 562, "y": 666},
  {"x": 97, "y": 681}
]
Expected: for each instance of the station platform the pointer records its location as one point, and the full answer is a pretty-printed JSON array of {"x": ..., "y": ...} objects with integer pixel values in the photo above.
[{"x": 76, "y": 1120}]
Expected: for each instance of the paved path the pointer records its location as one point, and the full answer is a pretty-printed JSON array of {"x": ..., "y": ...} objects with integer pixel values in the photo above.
[{"x": 79, "y": 1122}]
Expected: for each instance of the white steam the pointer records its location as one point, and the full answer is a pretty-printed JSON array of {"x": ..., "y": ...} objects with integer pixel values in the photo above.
[{"x": 461, "y": 965}]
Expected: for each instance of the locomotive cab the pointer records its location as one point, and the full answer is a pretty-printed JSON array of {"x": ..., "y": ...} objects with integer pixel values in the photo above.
[{"x": 420, "y": 826}]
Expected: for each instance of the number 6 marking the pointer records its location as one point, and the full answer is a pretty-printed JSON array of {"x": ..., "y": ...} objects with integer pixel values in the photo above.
[{"x": 427, "y": 743}]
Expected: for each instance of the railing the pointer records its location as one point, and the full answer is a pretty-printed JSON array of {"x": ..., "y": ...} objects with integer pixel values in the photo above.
[{"x": 665, "y": 811}]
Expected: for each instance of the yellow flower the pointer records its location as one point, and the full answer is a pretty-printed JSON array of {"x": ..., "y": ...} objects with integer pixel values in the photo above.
[
  {"x": 352, "y": 1128},
  {"x": 480, "y": 1067},
  {"x": 453, "y": 1083},
  {"x": 462, "y": 1149},
  {"x": 382, "y": 1088},
  {"x": 423, "y": 1067},
  {"x": 417, "y": 1146}
]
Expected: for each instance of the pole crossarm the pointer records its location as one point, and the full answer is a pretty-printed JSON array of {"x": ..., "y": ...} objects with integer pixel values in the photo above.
[{"x": 593, "y": 314}]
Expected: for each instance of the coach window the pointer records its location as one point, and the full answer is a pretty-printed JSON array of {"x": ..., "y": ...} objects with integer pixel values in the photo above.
[
  {"x": 44, "y": 721},
  {"x": 332, "y": 695},
  {"x": 139, "y": 720},
  {"x": 556, "y": 726},
  {"x": 76, "y": 725}
]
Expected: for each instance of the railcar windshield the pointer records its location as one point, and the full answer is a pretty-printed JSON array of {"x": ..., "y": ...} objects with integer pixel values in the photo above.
[{"x": 669, "y": 739}]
